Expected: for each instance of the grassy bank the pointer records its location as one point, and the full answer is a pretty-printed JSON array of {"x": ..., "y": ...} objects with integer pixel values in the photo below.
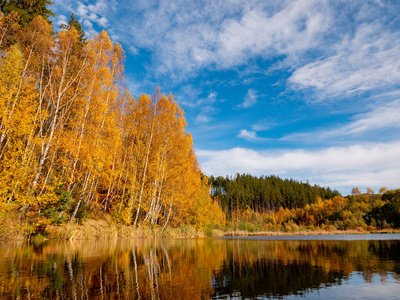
[
  {"x": 90, "y": 229},
  {"x": 106, "y": 228}
]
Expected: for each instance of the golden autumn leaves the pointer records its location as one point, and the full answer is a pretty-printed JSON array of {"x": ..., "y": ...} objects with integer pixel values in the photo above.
[{"x": 72, "y": 139}]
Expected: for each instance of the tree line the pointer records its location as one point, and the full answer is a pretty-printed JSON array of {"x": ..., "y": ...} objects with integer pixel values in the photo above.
[
  {"x": 361, "y": 212},
  {"x": 265, "y": 192}
]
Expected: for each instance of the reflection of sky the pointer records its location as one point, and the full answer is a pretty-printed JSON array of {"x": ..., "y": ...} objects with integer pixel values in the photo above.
[
  {"x": 384, "y": 287},
  {"x": 356, "y": 287}
]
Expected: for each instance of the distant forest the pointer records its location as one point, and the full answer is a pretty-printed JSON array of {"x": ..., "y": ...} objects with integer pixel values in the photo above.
[{"x": 266, "y": 192}]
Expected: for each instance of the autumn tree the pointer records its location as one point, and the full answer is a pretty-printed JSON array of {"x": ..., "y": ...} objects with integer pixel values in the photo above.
[
  {"x": 370, "y": 191},
  {"x": 22, "y": 113},
  {"x": 383, "y": 190},
  {"x": 356, "y": 191}
]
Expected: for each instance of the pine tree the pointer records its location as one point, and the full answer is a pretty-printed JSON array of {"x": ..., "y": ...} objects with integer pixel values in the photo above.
[
  {"x": 27, "y": 9},
  {"x": 74, "y": 22}
]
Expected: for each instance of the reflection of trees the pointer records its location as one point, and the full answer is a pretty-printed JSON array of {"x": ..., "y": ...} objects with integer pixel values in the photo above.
[
  {"x": 273, "y": 269},
  {"x": 272, "y": 278},
  {"x": 280, "y": 268},
  {"x": 146, "y": 269},
  {"x": 186, "y": 269}
]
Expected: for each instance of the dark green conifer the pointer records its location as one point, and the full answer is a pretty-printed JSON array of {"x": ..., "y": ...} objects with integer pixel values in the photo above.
[
  {"x": 74, "y": 22},
  {"x": 27, "y": 9}
]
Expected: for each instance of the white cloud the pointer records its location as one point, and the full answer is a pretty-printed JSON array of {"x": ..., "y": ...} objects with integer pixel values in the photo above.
[
  {"x": 187, "y": 37},
  {"x": 207, "y": 108},
  {"x": 368, "y": 165},
  {"x": 89, "y": 14},
  {"x": 263, "y": 125},
  {"x": 203, "y": 118},
  {"x": 62, "y": 20},
  {"x": 189, "y": 96},
  {"x": 294, "y": 27},
  {"x": 82, "y": 10},
  {"x": 133, "y": 50},
  {"x": 382, "y": 117},
  {"x": 250, "y": 136},
  {"x": 102, "y": 22},
  {"x": 369, "y": 60},
  {"x": 99, "y": 7},
  {"x": 88, "y": 24},
  {"x": 250, "y": 99}
]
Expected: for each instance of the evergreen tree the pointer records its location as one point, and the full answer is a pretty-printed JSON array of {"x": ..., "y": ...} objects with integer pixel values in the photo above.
[
  {"x": 27, "y": 9},
  {"x": 266, "y": 192},
  {"x": 74, "y": 22}
]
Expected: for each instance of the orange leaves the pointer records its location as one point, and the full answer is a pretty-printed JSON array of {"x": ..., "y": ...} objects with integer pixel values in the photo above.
[
  {"x": 383, "y": 190},
  {"x": 67, "y": 128},
  {"x": 322, "y": 210},
  {"x": 160, "y": 182},
  {"x": 356, "y": 192},
  {"x": 37, "y": 36},
  {"x": 17, "y": 111},
  {"x": 283, "y": 215},
  {"x": 370, "y": 191},
  {"x": 207, "y": 211},
  {"x": 339, "y": 203}
]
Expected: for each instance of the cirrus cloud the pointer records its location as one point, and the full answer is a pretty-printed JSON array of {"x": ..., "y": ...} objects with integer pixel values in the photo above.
[
  {"x": 250, "y": 99},
  {"x": 380, "y": 118},
  {"x": 368, "y": 61},
  {"x": 250, "y": 136}
]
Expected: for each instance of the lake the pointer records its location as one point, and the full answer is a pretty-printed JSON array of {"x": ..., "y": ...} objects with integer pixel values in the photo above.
[{"x": 316, "y": 267}]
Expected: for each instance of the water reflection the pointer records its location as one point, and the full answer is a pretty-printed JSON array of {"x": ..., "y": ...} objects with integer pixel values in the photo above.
[
  {"x": 192, "y": 269},
  {"x": 281, "y": 268}
]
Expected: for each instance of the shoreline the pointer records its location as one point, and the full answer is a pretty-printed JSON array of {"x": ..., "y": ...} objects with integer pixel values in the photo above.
[
  {"x": 106, "y": 229},
  {"x": 309, "y": 233}
]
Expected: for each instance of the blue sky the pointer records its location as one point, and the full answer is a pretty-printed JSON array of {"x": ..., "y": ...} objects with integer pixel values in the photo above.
[{"x": 306, "y": 89}]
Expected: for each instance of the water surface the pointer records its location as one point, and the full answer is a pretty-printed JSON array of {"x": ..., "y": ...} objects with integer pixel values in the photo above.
[
  {"x": 203, "y": 269},
  {"x": 328, "y": 237}
]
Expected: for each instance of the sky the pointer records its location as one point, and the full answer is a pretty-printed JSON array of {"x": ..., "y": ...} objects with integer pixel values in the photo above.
[{"x": 302, "y": 89}]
